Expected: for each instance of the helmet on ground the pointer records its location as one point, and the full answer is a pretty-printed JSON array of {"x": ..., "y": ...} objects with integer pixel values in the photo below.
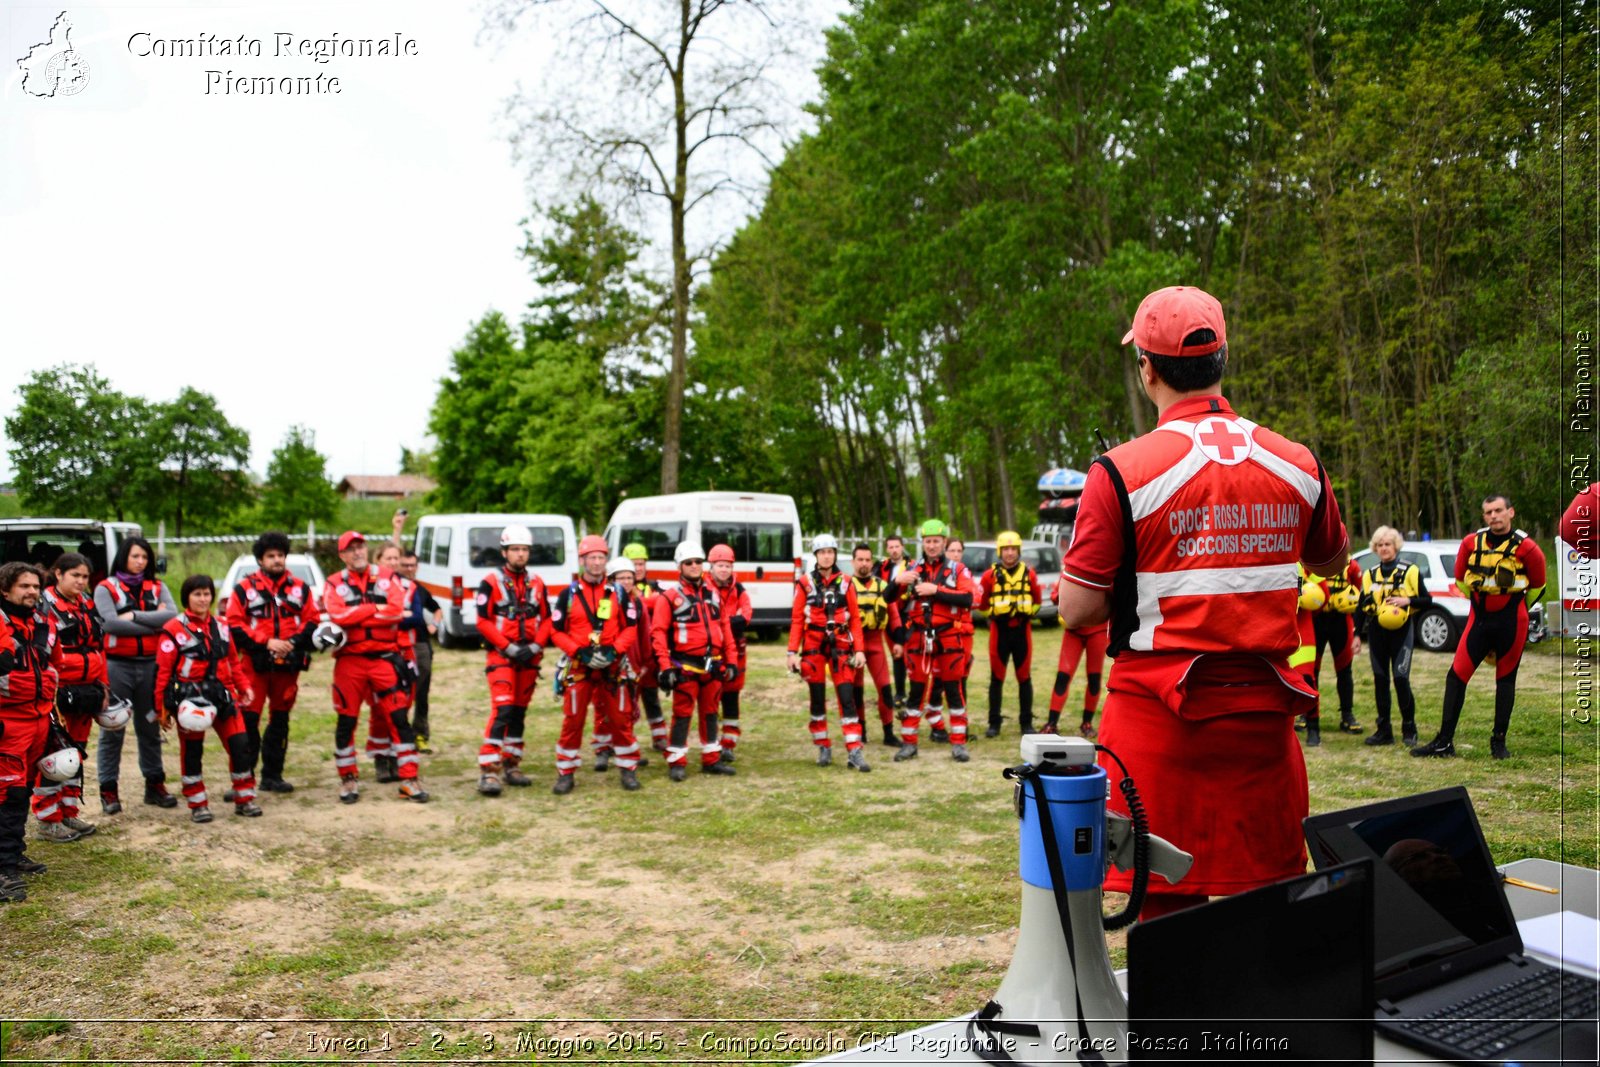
[
  {"x": 721, "y": 554},
  {"x": 688, "y": 550},
  {"x": 516, "y": 535},
  {"x": 593, "y": 543},
  {"x": 196, "y": 714},
  {"x": 934, "y": 528},
  {"x": 61, "y": 765},
  {"x": 635, "y": 551},
  {"x": 328, "y": 635},
  {"x": 620, "y": 565},
  {"x": 1391, "y": 616},
  {"x": 821, "y": 541},
  {"x": 115, "y": 715},
  {"x": 1312, "y": 596},
  {"x": 1008, "y": 539},
  {"x": 1345, "y": 599}
]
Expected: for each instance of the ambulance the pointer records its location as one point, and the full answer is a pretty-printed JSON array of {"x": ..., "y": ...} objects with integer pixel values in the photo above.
[{"x": 763, "y": 529}]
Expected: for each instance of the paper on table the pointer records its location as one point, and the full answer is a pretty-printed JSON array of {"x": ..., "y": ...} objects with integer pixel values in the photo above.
[{"x": 1566, "y": 936}]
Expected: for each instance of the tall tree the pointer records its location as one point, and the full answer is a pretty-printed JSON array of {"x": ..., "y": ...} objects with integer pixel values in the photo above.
[
  {"x": 200, "y": 458},
  {"x": 669, "y": 92},
  {"x": 475, "y": 422},
  {"x": 297, "y": 489},
  {"x": 75, "y": 444}
]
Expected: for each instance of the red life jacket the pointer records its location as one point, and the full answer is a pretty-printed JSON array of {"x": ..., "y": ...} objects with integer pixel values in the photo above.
[
  {"x": 518, "y": 604},
  {"x": 82, "y": 638},
  {"x": 346, "y": 590},
  {"x": 926, "y": 613},
  {"x": 269, "y": 609},
  {"x": 124, "y": 599},
  {"x": 696, "y": 626},
  {"x": 30, "y": 687}
]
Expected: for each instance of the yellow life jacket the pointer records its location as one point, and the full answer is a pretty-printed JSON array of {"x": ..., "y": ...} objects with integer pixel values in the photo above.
[
  {"x": 1495, "y": 570},
  {"x": 1343, "y": 595},
  {"x": 1013, "y": 594},
  {"x": 1405, "y": 580},
  {"x": 869, "y": 599}
]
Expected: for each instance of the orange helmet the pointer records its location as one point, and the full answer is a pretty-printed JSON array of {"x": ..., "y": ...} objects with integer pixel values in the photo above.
[
  {"x": 720, "y": 554},
  {"x": 593, "y": 543}
]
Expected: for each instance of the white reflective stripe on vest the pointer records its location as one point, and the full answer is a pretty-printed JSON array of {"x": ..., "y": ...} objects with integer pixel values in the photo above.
[
  {"x": 1210, "y": 581},
  {"x": 1150, "y": 497}
]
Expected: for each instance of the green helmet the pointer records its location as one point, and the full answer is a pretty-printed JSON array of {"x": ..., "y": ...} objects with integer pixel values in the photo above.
[
  {"x": 635, "y": 551},
  {"x": 934, "y": 528}
]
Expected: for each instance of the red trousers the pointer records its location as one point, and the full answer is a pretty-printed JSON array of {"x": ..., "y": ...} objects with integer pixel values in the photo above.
[
  {"x": 1075, "y": 644},
  {"x": 54, "y": 801},
  {"x": 279, "y": 687},
  {"x": 614, "y": 729},
  {"x": 381, "y": 740},
  {"x": 21, "y": 747},
  {"x": 878, "y": 669},
  {"x": 376, "y": 682},
  {"x": 511, "y": 689},
  {"x": 938, "y": 665},
  {"x": 192, "y": 744},
  {"x": 696, "y": 693}
]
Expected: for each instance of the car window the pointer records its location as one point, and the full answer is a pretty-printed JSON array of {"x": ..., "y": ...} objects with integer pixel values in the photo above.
[
  {"x": 41, "y": 547},
  {"x": 660, "y": 539},
  {"x": 1367, "y": 560},
  {"x": 978, "y": 558},
  {"x": 752, "y": 542},
  {"x": 441, "y": 546},
  {"x": 1042, "y": 560},
  {"x": 299, "y": 570},
  {"x": 483, "y": 546},
  {"x": 1420, "y": 559},
  {"x": 424, "y": 545}
]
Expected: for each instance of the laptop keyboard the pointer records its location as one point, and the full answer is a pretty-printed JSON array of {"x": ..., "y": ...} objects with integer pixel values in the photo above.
[{"x": 1494, "y": 1020}]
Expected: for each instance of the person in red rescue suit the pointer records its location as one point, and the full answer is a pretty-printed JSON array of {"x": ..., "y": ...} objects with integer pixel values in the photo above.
[
  {"x": 82, "y": 693},
  {"x": 936, "y": 597},
  {"x": 1087, "y": 643},
  {"x": 271, "y": 615},
  {"x": 646, "y": 589},
  {"x": 380, "y": 728},
  {"x": 737, "y": 610},
  {"x": 29, "y": 659},
  {"x": 1500, "y": 569},
  {"x": 595, "y": 624},
  {"x": 695, "y": 654},
  {"x": 620, "y": 572},
  {"x": 196, "y": 659},
  {"x": 514, "y": 622},
  {"x": 1187, "y": 540},
  {"x": 367, "y": 603},
  {"x": 893, "y": 564},
  {"x": 880, "y": 626},
  {"x": 825, "y": 638},
  {"x": 1010, "y": 593},
  {"x": 954, "y": 551},
  {"x": 134, "y": 605}
]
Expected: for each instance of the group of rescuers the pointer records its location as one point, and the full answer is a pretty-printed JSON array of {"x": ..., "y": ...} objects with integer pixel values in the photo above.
[{"x": 1208, "y": 558}]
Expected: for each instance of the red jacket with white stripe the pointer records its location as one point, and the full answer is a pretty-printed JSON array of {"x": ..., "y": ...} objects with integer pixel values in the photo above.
[
  {"x": 687, "y": 625},
  {"x": 1196, "y": 529},
  {"x": 369, "y": 606},
  {"x": 195, "y": 650},
  {"x": 28, "y": 636},
  {"x": 83, "y": 658},
  {"x": 513, "y": 608}
]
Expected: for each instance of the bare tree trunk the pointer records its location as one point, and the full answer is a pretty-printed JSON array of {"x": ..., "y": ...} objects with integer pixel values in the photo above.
[
  {"x": 1008, "y": 509},
  {"x": 1136, "y": 398}
]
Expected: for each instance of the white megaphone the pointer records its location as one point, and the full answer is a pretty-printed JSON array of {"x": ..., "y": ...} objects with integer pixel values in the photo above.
[{"x": 1060, "y": 1002}]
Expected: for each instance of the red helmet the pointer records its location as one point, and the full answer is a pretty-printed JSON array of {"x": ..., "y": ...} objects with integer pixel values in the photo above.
[
  {"x": 720, "y": 554},
  {"x": 593, "y": 543}
]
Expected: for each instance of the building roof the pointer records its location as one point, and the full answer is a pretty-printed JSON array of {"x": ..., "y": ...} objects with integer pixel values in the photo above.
[{"x": 386, "y": 484}]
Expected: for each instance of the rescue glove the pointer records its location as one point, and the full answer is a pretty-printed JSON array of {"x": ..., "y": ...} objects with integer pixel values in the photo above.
[
  {"x": 669, "y": 678},
  {"x": 598, "y": 657},
  {"x": 737, "y": 624},
  {"x": 730, "y": 672},
  {"x": 520, "y": 654},
  {"x": 8, "y": 661}
]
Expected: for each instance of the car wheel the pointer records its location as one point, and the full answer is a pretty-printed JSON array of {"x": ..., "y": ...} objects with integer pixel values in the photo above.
[{"x": 1437, "y": 631}]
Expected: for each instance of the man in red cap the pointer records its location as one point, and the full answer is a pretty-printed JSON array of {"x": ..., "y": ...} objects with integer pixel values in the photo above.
[
  {"x": 367, "y": 602},
  {"x": 1187, "y": 540}
]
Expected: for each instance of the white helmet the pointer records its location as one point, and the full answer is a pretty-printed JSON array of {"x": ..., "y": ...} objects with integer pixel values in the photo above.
[
  {"x": 516, "y": 535},
  {"x": 62, "y": 765},
  {"x": 688, "y": 550},
  {"x": 196, "y": 714},
  {"x": 620, "y": 565},
  {"x": 327, "y": 635},
  {"x": 824, "y": 541},
  {"x": 116, "y": 715}
]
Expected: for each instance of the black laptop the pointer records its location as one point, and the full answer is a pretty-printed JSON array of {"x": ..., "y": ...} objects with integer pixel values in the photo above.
[
  {"x": 1268, "y": 976},
  {"x": 1450, "y": 975}
]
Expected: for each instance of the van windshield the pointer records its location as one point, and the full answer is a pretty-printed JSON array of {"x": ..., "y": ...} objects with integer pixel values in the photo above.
[
  {"x": 660, "y": 539},
  {"x": 752, "y": 542},
  {"x": 483, "y": 547},
  {"x": 41, "y": 546}
]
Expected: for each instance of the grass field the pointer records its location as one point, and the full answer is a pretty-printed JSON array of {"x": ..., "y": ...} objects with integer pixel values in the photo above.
[{"x": 789, "y": 893}]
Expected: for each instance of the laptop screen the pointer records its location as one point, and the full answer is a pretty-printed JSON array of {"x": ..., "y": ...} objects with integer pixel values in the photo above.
[
  {"x": 1271, "y": 975},
  {"x": 1440, "y": 904}
]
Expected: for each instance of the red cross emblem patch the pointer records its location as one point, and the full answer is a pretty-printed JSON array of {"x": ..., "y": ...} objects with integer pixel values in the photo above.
[{"x": 1222, "y": 442}]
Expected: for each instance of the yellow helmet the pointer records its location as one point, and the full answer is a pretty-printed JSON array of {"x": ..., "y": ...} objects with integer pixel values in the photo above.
[
  {"x": 1346, "y": 599},
  {"x": 1312, "y": 596},
  {"x": 1392, "y": 616},
  {"x": 1008, "y": 539}
]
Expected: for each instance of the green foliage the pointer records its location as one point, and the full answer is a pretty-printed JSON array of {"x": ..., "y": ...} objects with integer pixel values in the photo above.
[
  {"x": 200, "y": 457},
  {"x": 297, "y": 489}
]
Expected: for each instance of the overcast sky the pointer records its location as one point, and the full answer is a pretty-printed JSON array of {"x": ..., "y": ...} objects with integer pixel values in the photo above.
[{"x": 306, "y": 259}]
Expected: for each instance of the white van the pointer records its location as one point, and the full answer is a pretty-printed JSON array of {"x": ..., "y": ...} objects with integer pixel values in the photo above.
[
  {"x": 455, "y": 552},
  {"x": 762, "y": 528}
]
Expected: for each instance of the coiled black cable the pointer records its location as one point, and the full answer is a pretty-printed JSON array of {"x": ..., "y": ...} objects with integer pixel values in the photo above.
[{"x": 1141, "y": 848}]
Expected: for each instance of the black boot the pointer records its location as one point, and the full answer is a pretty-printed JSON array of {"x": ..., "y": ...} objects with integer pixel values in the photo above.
[
  {"x": 1439, "y": 746},
  {"x": 1497, "y": 747},
  {"x": 1383, "y": 735},
  {"x": 1347, "y": 722},
  {"x": 155, "y": 792},
  {"x": 1313, "y": 731}
]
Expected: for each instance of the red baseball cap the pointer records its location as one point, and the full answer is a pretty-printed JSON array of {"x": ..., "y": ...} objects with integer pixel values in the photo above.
[
  {"x": 1167, "y": 316},
  {"x": 350, "y": 537}
]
